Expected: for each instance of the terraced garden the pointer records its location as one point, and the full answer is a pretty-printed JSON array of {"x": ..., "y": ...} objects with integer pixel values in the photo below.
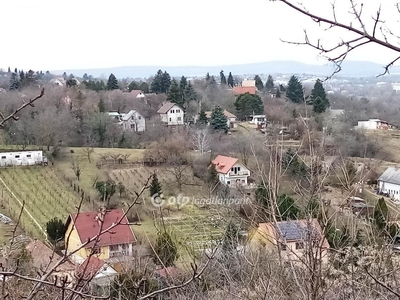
[{"x": 43, "y": 193}]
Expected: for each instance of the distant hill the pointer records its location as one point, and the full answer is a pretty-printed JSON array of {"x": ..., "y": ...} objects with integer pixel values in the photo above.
[{"x": 349, "y": 69}]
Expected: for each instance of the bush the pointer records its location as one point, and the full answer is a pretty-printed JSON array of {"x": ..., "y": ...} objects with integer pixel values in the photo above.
[{"x": 55, "y": 229}]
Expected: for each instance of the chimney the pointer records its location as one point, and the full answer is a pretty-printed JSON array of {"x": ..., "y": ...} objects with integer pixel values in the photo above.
[{"x": 100, "y": 215}]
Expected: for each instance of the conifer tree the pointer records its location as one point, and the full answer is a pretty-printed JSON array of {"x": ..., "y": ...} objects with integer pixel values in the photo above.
[
  {"x": 174, "y": 94},
  {"x": 318, "y": 92},
  {"x": 155, "y": 186},
  {"x": 230, "y": 240},
  {"x": 157, "y": 83},
  {"x": 166, "y": 82},
  {"x": 208, "y": 77},
  {"x": 112, "y": 83},
  {"x": 294, "y": 91},
  {"x": 203, "y": 117},
  {"x": 189, "y": 93},
  {"x": 9, "y": 70},
  {"x": 259, "y": 83},
  {"x": 247, "y": 104},
  {"x": 165, "y": 248},
  {"x": 144, "y": 87},
  {"x": 182, "y": 84},
  {"x": 231, "y": 82},
  {"x": 133, "y": 86},
  {"x": 278, "y": 93},
  {"x": 222, "y": 77},
  {"x": 102, "y": 106},
  {"x": 14, "y": 82},
  {"x": 270, "y": 83},
  {"x": 218, "y": 119},
  {"x": 213, "y": 82}
]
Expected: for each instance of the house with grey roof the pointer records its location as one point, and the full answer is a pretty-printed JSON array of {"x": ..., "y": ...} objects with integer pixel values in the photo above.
[
  {"x": 131, "y": 121},
  {"x": 389, "y": 182},
  {"x": 171, "y": 114},
  {"x": 294, "y": 238}
]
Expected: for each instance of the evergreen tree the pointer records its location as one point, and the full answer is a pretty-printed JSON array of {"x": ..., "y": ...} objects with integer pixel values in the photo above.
[
  {"x": 65, "y": 76},
  {"x": 144, "y": 87},
  {"x": 189, "y": 93},
  {"x": 22, "y": 75},
  {"x": 112, "y": 83},
  {"x": 262, "y": 195},
  {"x": 247, "y": 104},
  {"x": 9, "y": 70},
  {"x": 203, "y": 117},
  {"x": 218, "y": 119},
  {"x": 85, "y": 76},
  {"x": 165, "y": 249},
  {"x": 55, "y": 229},
  {"x": 212, "y": 177},
  {"x": 230, "y": 241},
  {"x": 208, "y": 77},
  {"x": 133, "y": 86},
  {"x": 157, "y": 83},
  {"x": 231, "y": 82},
  {"x": 182, "y": 85},
  {"x": 16, "y": 71},
  {"x": 282, "y": 88},
  {"x": 278, "y": 93},
  {"x": 259, "y": 83},
  {"x": 294, "y": 91},
  {"x": 213, "y": 82},
  {"x": 174, "y": 94},
  {"x": 102, "y": 106},
  {"x": 14, "y": 82},
  {"x": 319, "y": 92},
  {"x": 222, "y": 77},
  {"x": 287, "y": 209},
  {"x": 166, "y": 82},
  {"x": 270, "y": 83},
  {"x": 155, "y": 186}
]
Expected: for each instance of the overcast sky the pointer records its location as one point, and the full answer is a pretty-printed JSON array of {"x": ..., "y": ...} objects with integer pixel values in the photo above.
[{"x": 78, "y": 34}]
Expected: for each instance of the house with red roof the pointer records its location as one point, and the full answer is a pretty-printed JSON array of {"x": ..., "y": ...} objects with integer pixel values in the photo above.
[
  {"x": 137, "y": 94},
  {"x": 171, "y": 114},
  {"x": 82, "y": 236},
  {"x": 241, "y": 90},
  {"x": 230, "y": 171}
]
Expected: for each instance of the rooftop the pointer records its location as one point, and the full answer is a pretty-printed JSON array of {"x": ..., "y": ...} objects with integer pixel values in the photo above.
[
  {"x": 226, "y": 113},
  {"x": 88, "y": 224},
  {"x": 89, "y": 268},
  {"x": 223, "y": 164},
  {"x": 166, "y": 107},
  {"x": 392, "y": 175},
  {"x": 239, "y": 90}
]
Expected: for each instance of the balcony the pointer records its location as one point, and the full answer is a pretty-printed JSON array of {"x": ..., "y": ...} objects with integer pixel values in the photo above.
[
  {"x": 119, "y": 253},
  {"x": 239, "y": 173}
]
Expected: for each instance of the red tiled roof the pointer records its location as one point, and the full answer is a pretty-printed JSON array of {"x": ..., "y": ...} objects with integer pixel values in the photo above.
[
  {"x": 239, "y": 90},
  {"x": 226, "y": 113},
  {"x": 223, "y": 164},
  {"x": 89, "y": 268},
  {"x": 87, "y": 226},
  {"x": 135, "y": 93},
  {"x": 166, "y": 107}
]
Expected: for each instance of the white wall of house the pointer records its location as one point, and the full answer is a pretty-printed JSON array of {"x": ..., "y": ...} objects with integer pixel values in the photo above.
[
  {"x": 136, "y": 122},
  {"x": 367, "y": 124},
  {"x": 391, "y": 188},
  {"x": 174, "y": 116},
  {"x": 258, "y": 119},
  {"x": 231, "y": 123},
  {"x": 23, "y": 158},
  {"x": 236, "y": 176}
]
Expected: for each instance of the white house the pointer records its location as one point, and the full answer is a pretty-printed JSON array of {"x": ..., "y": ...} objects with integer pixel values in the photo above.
[
  {"x": 171, "y": 114},
  {"x": 258, "y": 119},
  {"x": 132, "y": 120},
  {"x": 230, "y": 171},
  {"x": 374, "y": 124},
  {"x": 389, "y": 182},
  {"x": 231, "y": 118},
  {"x": 23, "y": 158}
]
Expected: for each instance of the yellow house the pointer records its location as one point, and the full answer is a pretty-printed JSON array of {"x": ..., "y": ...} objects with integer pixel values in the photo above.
[
  {"x": 115, "y": 243},
  {"x": 292, "y": 238}
]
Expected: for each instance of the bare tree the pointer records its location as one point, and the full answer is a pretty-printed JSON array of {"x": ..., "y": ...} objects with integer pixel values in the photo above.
[
  {"x": 77, "y": 167},
  {"x": 365, "y": 29},
  {"x": 201, "y": 140},
  {"x": 88, "y": 153}
]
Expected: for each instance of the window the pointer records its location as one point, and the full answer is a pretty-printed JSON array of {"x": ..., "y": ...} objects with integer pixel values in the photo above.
[
  {"x": 284, "y": 247},
  {"x": 132, "y": 126},
  {"x": 3, "y": 157},
  {"x": 243, "y": 180},
  {"x": 179, "y": 118},
  {"x": 228, "y": 182},
  {"x": 16, "y": 156},
  {"x": 29, "y": 156},
  {"x": 172, "y": 111},
  {"x": 232, "y": 169},
  {"x": 178, "y": 111},
  {"x": 170, "y": 119},
  {"x": 238, "y": 168},
  {"x": 299, "y": 245},
  {"x": 140, "y": 117}
]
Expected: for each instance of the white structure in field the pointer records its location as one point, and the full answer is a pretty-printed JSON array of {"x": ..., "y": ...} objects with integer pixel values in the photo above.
[
  {"x": 389, "y": 182},
  {"x": 171, "y": 114},
  {"x": 23, "y": 158},
  {"x": 375, "y": 124},
  {"x": 258, "y": 119},
  {"x": 230, "y": 171}
]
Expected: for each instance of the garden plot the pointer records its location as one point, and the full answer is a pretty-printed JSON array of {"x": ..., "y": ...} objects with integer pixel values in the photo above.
[{"x": 41, "y": 191}]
